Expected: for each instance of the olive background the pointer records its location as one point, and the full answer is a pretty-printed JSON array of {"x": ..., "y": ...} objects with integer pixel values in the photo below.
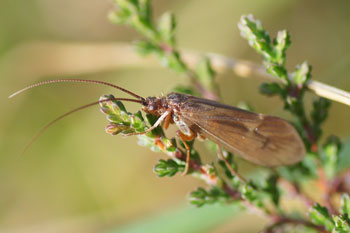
[{"x": 75, "y": 177}]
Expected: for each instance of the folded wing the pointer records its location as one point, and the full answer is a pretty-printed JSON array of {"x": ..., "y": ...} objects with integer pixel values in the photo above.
[{"x": 262, "y": 139}]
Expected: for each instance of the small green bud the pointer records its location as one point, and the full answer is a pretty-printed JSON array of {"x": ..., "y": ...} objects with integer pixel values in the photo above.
[
  {"x": 114, "y": 128},
  {"x": 302, "y": 74},
  {"x": 281, "y": 44},
  {"x": 257, "y": 37}
]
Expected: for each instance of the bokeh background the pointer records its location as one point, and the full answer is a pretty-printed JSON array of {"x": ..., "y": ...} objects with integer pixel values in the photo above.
[{"x": 76, "y": 178}]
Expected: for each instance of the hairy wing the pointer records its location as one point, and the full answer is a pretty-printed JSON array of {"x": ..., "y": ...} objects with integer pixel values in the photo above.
[{"x": 264, "y": 140}]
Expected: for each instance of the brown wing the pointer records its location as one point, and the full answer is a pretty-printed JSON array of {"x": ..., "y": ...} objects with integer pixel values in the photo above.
[{"x": 264, "y": 140}]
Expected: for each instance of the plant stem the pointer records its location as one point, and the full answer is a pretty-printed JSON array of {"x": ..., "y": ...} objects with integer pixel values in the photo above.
[
  {"x": 246, "y": 69},
  {"x": 121, "y": 55}
]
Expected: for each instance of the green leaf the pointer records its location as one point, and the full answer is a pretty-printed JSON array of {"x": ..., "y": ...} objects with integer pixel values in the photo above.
[
  {"x": 272, "y": 190},
  {"x": 167, "y": 168},
  {"x": 249, "y": 192},
  {"x": 341, "y": 224},
  {"x": 166, "y": 28},
  {"x": 274, "y": 55},
  {"x": 126, "y": 10},
  {"x": 320, "y": 110},
  {"x": 320, "y": 216},
  {"x": 345, "y": 204},
  {"x": 277, "y": 70},
  {"x": 145, "y": 9},
  {"x": 319, "y": 114},
  {"x": 145, "y": 28},
  {"x": 128, "y": 5},
  {"x": 145, "y": 48},
  {"x": 119, "y": 17},
  {"x": 200, "y": 196},
  {"x": 270, "y": 89},
  {"x": 136, "y": 14},
  {"x": 161, "y": 40}
]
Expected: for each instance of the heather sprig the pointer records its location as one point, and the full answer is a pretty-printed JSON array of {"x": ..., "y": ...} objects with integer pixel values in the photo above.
[{"x": 264, "y": 194}]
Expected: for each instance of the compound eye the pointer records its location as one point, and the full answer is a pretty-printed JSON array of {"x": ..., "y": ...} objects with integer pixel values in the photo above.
[{"x": 152, "y": 107}]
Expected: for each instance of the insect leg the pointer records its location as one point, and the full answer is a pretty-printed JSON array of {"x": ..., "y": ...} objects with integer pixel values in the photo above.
[
  {"x": 158, "y": 122},
  {"x": 183, "y": 137},
  {"x": 228, "y": 165},
  {"x": 168, "y": 119}
]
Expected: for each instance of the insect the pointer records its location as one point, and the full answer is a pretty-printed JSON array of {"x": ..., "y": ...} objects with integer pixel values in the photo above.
[{"x": 261, "y": 139}]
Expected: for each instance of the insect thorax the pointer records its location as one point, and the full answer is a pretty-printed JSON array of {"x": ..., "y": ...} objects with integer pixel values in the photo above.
[{"x": 158, "y": 105}]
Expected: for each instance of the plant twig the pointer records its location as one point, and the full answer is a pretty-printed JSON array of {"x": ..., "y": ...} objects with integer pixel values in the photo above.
[
  {"x": 118, "y": 55},
  {"x": 246, "y": 69}
]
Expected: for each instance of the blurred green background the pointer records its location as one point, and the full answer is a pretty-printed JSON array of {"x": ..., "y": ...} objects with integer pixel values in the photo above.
[{"x": 76, "y": 178}]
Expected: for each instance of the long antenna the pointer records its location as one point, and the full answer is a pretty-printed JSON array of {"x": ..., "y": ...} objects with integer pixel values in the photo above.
[
  {"x": 76, "y": 81},
  {"x": 36, "y": 136}
]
